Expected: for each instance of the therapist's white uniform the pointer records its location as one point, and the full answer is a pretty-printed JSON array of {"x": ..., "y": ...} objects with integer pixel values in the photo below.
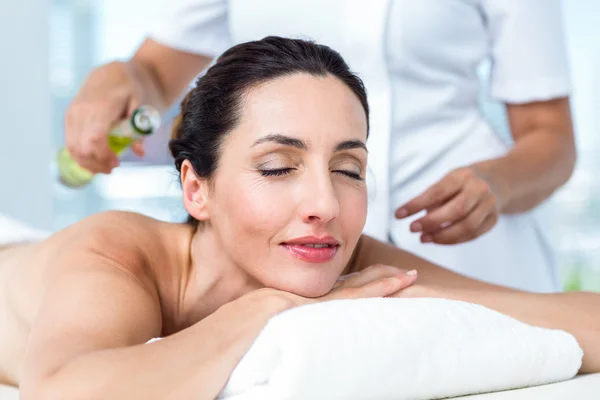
[{"x": 418, "y": 59}]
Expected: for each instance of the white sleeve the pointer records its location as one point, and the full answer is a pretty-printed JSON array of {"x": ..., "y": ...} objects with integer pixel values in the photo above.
[
  {"x": 194, "y": 26},
  {"x": 529, "y": 60}
]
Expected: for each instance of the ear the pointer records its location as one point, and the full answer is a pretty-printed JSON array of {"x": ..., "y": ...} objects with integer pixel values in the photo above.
[{"x": 195, "y": 192}]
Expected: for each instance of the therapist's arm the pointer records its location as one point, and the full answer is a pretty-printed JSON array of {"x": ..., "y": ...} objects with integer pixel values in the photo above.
[
  {"x": 577, "y": 313},
  {"x": 466, "y": 203},
  {"x": 542, "y": 159},
  {"x": 169, "y": 69}
]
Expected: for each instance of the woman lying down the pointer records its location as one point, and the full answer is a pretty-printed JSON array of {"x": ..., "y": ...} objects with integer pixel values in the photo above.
[{"x": 270, "y": 147}]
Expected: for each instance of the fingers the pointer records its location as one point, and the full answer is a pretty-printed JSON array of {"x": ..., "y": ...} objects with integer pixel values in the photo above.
[
  {"x": 93, "y": 152},
  {"x": 138, "y": 148},
  {"x": 375, "y": 281},
  {"x": 343, "y": 278},
  {"x": 382, "y": 287},
  {"x": 456, "y": 209},
  {"x": 371, "y": 273},
  {"x": 437, "y": 194},
  {"x": 478, "y": 222},
  {"x": 417, "y": 290},
  {"x": 133, "y": 103},
  {"x": 461, "y": 207},
  {"x": 87, "y": 130},
  {"x": 102, "y": 101}
]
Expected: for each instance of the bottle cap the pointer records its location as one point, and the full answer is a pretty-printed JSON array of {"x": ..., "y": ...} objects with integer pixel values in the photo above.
[{"x": 145, "y": 119}]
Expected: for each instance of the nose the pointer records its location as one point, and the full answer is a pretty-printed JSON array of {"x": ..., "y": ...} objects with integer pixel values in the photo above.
[{"x": 320, "y": 203}]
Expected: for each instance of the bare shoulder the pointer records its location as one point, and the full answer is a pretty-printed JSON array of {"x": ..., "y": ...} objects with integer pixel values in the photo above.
[
  {"x": 99, "y": 269},
  {"x": 125, "y": 240},
  {"x": 99, "y": 289},
  {"x": 120, "y": 223}
]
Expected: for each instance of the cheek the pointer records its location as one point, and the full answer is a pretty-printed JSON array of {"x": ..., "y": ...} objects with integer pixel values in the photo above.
[
  {"x": 353, "y": 209},
  {"x": 250, "y": 210}
]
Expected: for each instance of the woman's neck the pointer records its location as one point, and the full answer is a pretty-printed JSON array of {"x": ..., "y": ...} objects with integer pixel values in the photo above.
[{"x": 213, "y": 279}]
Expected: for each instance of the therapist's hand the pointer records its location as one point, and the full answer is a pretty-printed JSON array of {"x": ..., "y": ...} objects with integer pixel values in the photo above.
[
  {"x": 110, "y": 93},
  {"x": 460, "y": 207}
]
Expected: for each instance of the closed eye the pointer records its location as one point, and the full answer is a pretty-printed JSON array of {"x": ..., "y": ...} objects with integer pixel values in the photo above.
[
  {"x": 350, "y": 174},
  {"x": 276, "y": 172},
  {"x": 285, "y": 171}
]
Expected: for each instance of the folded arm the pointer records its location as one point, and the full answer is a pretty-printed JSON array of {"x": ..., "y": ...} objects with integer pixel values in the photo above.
[
  {"x": 370, "y": 251},
  {"x": 88, "y": 340},
  {"x": 577, "y": 313}
]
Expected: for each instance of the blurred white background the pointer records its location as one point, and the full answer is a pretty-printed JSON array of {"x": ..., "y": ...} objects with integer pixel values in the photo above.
[{"x": 47, "y": 47}]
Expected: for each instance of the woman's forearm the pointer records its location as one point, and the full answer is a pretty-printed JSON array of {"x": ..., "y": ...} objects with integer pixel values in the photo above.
[
  {"x": 194, "y": 363},
  {"x": 577, "y": 313},
  {"x": 539, "y": 163},
  {"x": 371, "y": 251}
]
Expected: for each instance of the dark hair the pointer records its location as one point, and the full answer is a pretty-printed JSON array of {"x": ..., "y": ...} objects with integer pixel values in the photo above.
[{"x": 213, "y": 107}]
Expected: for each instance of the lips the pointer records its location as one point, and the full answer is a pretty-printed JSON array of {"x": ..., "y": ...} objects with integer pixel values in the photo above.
[{"x": 312, "y": 249}]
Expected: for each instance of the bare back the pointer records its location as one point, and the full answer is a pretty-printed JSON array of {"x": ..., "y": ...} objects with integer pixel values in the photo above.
[{"x": 144, "y": 248}]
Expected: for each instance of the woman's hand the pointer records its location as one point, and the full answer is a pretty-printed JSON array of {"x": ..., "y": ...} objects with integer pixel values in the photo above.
[
  {"x": 461, "y": 207},
  {"x": 375, "y": 281},
  {"x": 429, "y": 291},
  {"x": 378, "y": 280}
]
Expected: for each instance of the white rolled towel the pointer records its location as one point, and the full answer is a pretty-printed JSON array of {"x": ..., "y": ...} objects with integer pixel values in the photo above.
[
  {"x": 13, "y": 232},
  {"x": 398, "y": 349}
]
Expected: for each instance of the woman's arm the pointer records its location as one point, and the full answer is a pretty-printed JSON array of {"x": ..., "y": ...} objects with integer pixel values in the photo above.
[
  {"x": 88, "y": 340},
  {"x": 576, "y": 313},
  {"x": 541, "y": 160},
  {"x": 100, "y": 306},
  {"x": 371, "y": 251}
]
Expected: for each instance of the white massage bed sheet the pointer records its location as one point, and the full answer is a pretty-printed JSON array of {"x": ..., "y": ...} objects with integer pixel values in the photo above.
[{"x": 583, "y": 387}]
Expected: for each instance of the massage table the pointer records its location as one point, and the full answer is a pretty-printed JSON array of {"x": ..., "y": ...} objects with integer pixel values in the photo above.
[{"x": 583, "y": 387}]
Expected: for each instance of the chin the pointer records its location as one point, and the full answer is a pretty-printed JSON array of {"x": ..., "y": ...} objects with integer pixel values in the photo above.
[
  {"x": 310, "y": 288},
  {"x": 302, "y": 279},
  {"x": 311, "y": 292}
]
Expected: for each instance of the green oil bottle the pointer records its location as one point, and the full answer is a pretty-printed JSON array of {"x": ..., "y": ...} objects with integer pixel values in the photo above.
[{"x": 144, "y": 121}]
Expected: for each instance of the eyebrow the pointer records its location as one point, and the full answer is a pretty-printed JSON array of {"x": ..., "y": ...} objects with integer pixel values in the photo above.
[
  {"x": 300, "y": 144},
  {"x": 283, "y": 140},
  {"x": 350, "y": 145}
]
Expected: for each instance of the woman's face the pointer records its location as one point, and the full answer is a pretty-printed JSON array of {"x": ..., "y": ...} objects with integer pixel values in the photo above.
[{"x": 289, "y": 200}]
